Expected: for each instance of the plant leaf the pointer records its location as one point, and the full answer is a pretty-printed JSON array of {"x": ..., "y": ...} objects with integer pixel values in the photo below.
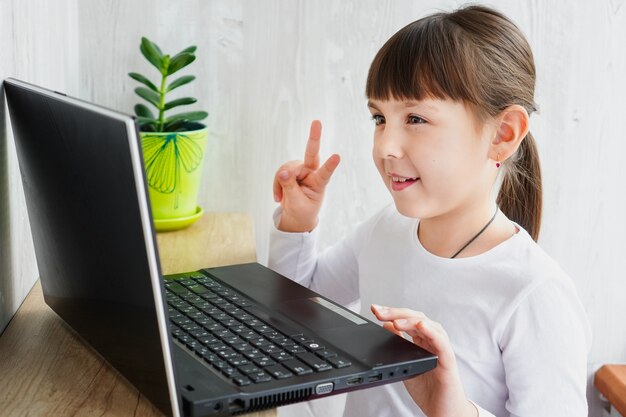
[
  {"x": 148, "y": 95},
  {"x": 143, "y": 111},
  {"x": 180, "y": 81},
  {"x": 152, "y": 53},
  {"x": 179, "y": 102},
  {"x": 180, "y": 61},
  {"x": 146, "y": 120},
  {"x": 148, "y": 127},
  {"x": 190, "y": 116},
  {"x": 175, "y": 125},
  {"x": 143, "y": 80},
  {"x": 190, "y": 49}
]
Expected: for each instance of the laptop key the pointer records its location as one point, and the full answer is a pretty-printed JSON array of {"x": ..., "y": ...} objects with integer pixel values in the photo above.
[
  {"x": 201, "y": 350},
  {"x": 295, "y": 349},
  {"x": 314, "y": 362},
  {"x": 314, "y": 345},
  {"x": 253, "y": 354},
  {"x": 209, "y": 340},
  {"x": 278, "y": 372},
  {"x": 339, "y": 362},
  {"x": 176, "y": 288},
  {"x": 198, "y": 333},
  {"x": 302, "y": 339},
  {"x": 297, "y": 367},
  {"x": 189, "y": 327},
  {"x": 249, "y": 369},
  {"x": 260, "y": 377},
  {"x": 180, "y": 320},
  {"x": 238, "y": 361},
  {"x": 264, "y": 361},
  {"x": 281, "y": 356},
  {"x": 228, "y": 370},
  {"x": 325, "y": 353},
  {"x": 241, "y": 380},
  {"x": 198, "y": 289},
  {"x": 211, "y": 357},
  {"x": 269, "y": 349}
]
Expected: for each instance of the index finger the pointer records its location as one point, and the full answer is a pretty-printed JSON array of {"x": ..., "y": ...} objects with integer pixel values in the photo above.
[
  {"x": 312, "y": 152},
  {"x": 389, "y": 313}
]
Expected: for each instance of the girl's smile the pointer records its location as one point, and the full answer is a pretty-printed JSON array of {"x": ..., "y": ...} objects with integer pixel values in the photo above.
[{"x": 399, "y": 183}]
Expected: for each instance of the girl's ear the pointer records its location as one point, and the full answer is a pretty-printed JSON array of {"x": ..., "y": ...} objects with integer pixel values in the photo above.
[{"x": 513, "y": 125}]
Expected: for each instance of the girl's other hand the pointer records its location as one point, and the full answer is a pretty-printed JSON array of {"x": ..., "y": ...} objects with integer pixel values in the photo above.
[
  {"x": 299, "y": 186},
  {"x": 438, "y": 393}
]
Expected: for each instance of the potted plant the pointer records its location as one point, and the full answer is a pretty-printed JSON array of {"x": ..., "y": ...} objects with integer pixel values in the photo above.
[{"x": 173, "y": 145}]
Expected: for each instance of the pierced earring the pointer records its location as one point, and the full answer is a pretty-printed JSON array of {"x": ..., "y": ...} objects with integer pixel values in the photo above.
[{"x": 498, "y": 161}]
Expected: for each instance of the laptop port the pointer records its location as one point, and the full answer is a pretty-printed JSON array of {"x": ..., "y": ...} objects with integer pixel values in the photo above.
[
  {"x": 354, "y": 381},
  {"x": 375, "y": 377},
  {"x": 325, "y": 388},
  {"x": 236, "y": 406}
]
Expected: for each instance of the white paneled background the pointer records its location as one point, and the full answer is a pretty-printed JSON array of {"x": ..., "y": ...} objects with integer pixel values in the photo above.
[
  {"x": 38, "y": 43},
  {"x": 266, "y": 68}
]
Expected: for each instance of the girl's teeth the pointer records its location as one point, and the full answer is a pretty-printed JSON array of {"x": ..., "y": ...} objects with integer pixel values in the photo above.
[{"x": 398, "y": 179}]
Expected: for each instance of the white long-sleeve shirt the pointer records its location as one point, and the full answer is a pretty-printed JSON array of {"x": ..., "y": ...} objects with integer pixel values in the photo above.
[{"x": 516, "y": 324}]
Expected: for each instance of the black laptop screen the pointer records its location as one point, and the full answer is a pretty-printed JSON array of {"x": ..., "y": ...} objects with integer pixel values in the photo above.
[{"x": 85, "y": 220}]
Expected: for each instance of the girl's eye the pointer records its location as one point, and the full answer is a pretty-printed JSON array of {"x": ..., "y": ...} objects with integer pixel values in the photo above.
[
  {"x": 416, "y": 120},
  {"x": 378, "y": 119}
]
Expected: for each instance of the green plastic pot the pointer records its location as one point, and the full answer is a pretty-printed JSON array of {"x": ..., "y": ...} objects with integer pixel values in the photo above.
[{"x": 173, "y": 163}]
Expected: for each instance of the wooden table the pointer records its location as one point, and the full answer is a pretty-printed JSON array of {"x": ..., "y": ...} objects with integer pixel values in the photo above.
[
  {"x": 610, "y": 380},
  {"x": 46, "y": 371}
]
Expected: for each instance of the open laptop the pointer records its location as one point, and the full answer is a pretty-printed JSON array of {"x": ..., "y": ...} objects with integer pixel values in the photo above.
[{"x": 217, "y": 341}]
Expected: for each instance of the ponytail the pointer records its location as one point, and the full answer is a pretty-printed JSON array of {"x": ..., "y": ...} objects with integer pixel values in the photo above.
[{"x": 520, "y": 195}]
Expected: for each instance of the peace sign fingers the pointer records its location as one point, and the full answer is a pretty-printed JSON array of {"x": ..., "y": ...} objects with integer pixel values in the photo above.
[{"x": 312, "y": 152}]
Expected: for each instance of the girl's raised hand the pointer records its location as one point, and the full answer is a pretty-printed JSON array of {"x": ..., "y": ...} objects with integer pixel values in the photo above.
[
  {"x": 438, "y": 393},
  {"x": 299, "y": 186}
]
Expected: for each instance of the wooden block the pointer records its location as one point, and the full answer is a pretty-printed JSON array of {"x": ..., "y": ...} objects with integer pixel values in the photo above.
[{"x": 610, "y": 380}]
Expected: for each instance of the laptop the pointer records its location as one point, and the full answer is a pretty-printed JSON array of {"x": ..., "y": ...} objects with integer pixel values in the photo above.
[{"x": 217, "y": 341}]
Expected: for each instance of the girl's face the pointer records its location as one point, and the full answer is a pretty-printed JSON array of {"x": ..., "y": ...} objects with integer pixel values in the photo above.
[{"x": 431, "y": 156}]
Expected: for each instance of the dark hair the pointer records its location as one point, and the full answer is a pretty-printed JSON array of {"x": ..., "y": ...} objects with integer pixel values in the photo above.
[{"x": 475, "y": 55}]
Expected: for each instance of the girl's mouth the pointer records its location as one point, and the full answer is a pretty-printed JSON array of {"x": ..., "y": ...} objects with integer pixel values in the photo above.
[{"x": 400, "y": 183}]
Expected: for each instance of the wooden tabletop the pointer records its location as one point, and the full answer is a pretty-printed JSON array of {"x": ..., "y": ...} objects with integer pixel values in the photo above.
[
  {"x": 45, "y": 370},
  {"x": 610, "y": 380}
]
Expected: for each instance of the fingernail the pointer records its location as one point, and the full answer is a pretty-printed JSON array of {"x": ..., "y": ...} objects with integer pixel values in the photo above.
[
  {"x": 380, "y": 309},
  {"x": 276, "y": 198},
  {"x": 401, "y": 322},
  {"x": 283, "y": 175}
]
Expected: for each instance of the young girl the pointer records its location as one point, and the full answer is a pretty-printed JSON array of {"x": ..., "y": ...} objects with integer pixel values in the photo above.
[{"x": 448, "y": 264}]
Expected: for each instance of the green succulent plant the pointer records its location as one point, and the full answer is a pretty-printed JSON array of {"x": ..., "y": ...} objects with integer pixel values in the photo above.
[{"x": 167, "y": 65}]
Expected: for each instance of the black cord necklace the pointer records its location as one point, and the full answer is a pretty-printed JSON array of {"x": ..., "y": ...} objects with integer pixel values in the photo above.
[{"x": 476, "y": 235}]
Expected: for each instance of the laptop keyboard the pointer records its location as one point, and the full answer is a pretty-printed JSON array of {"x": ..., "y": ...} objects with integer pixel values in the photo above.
[{"x": 215, "y": 322}]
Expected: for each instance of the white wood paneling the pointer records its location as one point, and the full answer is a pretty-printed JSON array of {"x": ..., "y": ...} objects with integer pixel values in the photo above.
[
  {"x": 266, "y": 68},
  {"x": 38, "y": 44}
]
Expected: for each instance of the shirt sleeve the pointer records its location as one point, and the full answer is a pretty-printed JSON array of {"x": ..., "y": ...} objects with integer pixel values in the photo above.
[
  {"x": 544, "y": 350},
  {"x": 333, "y": 273}
]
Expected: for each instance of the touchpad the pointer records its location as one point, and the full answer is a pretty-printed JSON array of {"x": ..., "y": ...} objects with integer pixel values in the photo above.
[{"x": 317, "y": 313}]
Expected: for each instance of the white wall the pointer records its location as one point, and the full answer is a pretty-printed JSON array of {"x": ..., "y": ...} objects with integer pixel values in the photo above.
[
  {"x": 266, "y": 68},
  {"x": 38, "y": 43}
]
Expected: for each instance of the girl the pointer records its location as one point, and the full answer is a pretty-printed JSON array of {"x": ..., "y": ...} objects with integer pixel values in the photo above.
[{"x": 448, "y": 264}]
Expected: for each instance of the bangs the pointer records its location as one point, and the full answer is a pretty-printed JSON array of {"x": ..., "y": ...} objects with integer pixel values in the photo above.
[{"x": 429, "y": 58}]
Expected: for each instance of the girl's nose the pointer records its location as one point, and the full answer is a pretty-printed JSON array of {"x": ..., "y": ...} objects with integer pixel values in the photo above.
[{"x": 389, "y": 144}]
